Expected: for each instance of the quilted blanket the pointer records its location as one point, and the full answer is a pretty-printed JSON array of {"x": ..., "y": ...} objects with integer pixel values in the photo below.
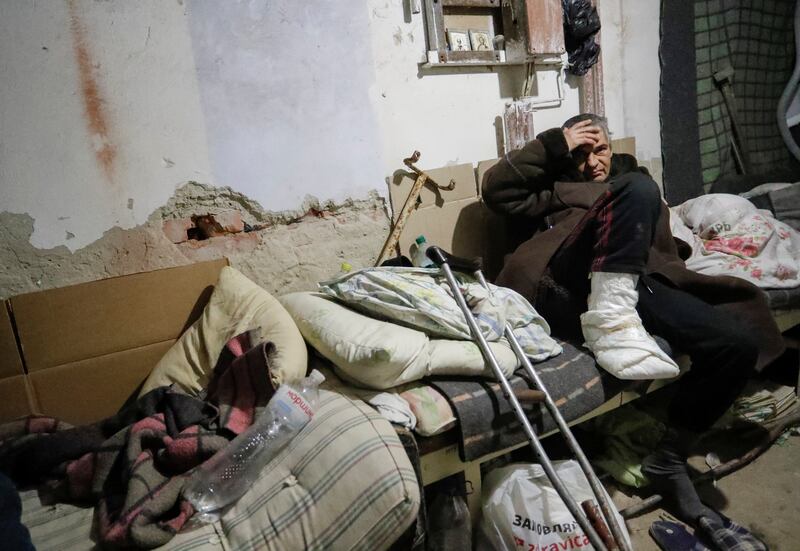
[
  {"x": 730, "y": 236},
  {"x": 421, "y": 298},
  {"x": 133, "y": 465}
]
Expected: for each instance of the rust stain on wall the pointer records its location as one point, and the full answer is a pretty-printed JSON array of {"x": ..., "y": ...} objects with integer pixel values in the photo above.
[{"x": 94, "y": 110}]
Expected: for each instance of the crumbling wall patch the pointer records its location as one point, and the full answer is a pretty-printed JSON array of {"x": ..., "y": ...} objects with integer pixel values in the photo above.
[{"x": 282, "y": 251}]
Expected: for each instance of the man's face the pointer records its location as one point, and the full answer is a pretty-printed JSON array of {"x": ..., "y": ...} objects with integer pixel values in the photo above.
[{"x": 595, "y": 160}]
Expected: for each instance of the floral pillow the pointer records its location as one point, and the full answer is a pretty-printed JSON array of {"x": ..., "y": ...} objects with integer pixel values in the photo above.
[{"x": 433, "y": 412}]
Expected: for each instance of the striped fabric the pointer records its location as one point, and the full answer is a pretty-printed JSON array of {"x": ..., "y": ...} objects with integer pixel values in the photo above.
[
  {"x": 486, "y": 421},
  {"x": 345, "y": 482},
  {"x": 782, "y": 299},
  {"x": 63, "y": 527}
]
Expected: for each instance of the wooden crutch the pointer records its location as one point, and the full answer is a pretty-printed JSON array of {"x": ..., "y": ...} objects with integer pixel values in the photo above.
[{"x": 410, "y": 204}]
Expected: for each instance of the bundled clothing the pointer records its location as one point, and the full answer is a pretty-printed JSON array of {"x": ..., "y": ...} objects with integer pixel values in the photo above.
[
  {"x": 569, "y": 227},
  {"x": 134, "y": 465}
]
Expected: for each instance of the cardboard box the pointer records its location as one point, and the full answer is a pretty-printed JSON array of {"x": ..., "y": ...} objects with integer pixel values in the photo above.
[{"x": 87, "y": 348}]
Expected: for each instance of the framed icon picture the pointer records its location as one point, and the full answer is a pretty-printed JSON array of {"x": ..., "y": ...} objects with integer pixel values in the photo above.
[
  {"x": 459, "y": 40},
  {"x": 480, "y": 40}
]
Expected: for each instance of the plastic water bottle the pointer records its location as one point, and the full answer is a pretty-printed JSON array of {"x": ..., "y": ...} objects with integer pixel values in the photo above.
[
  {"x": 232, "y": 471},
  {"x": 420, "y": 259}
]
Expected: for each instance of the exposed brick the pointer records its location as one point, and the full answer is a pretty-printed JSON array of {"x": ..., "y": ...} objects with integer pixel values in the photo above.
[
  {"x": 217, "y": 247},
  {"x": 176, "y": 229},
  {"x": 231, "y": 221}
]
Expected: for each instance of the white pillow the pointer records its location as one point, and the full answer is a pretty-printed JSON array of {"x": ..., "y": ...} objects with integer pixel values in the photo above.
[
  {"x": 378, "y": 354},
  {"x": 712, "y": 213},
  {"x": 236, "y": 305},
  {"x": 451, "y": 357}
]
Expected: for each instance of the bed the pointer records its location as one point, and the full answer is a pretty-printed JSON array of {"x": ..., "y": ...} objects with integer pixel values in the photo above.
[{"x": 81, "y": 353}]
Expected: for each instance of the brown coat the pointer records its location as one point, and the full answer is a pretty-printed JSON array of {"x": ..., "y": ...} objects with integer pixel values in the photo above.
[{"x": 541, "y": 182}]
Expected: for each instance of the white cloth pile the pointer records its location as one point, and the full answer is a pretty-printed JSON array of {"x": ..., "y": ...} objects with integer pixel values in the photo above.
[{"x": 730, "y": 236}]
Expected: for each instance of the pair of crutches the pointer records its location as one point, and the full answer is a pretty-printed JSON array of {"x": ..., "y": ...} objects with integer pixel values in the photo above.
[{"x": 588, "y": 519}]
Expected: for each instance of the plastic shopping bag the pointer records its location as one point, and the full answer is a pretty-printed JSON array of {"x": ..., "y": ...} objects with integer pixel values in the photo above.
[{"x": 522, "y": 510}]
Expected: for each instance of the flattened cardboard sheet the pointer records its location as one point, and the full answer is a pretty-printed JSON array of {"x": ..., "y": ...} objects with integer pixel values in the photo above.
[
  {"x": 463, "y": 175},
  {"x": 14, "y": 398},
  {"x": 624, "y": 145},
  {"x": 90, "y": 390},
  {"x": 10, "y": 362},
  {"x": 94, "y": 319},
  {"x": 483, "y": 166},
  {"x": 458, "y": 227}
]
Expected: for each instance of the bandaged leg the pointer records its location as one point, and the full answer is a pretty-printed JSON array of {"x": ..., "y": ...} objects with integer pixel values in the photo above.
[{"x": 614, "y": 332}]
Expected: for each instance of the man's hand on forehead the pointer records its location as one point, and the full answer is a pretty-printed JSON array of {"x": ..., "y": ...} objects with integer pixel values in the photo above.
[{"x": 582, "y": 133}]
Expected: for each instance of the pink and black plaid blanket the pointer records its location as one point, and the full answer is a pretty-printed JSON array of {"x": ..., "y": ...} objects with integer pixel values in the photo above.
[{"x": 133, "y": 466}]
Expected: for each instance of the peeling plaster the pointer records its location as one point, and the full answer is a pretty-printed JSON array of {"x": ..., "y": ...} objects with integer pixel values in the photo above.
[{"x": 295, "y": 250}]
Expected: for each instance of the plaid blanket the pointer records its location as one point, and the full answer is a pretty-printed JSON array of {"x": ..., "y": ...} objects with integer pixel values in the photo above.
[
  {"x": 486, "y": 421},
  {"x": 133, "y": 465},
  {"x": 757, "y": 39}
]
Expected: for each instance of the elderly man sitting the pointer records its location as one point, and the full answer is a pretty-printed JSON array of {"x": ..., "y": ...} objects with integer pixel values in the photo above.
[{"x": 597, "y": 259}]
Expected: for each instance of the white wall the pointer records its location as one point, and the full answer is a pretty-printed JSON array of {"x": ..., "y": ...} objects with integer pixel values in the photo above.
[
  {"x": 632, "y": 71},
  {"x": 146, "y": 95},
  {"x": 284, "y": 87},
  {"x": 276, "y": 98},
  {"x": 447, "y": 114}
]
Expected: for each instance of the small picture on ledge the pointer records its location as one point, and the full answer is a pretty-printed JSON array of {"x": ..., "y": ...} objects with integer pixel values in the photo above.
[
  {"x": 481, "y": 40},
  {"x": 459, "y": 40}
]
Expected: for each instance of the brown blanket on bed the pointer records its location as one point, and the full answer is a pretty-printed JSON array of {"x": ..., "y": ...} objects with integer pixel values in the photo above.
[{"x": 133, "y": 465}]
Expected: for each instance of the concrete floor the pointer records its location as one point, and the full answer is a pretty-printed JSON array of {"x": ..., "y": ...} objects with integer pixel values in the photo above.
[{"x": 763, "y": 496}]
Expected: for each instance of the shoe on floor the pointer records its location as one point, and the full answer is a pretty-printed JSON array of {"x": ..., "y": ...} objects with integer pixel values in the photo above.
[
  {"x": 673, "y": 536},
  {"x": 727, "y": 535}
]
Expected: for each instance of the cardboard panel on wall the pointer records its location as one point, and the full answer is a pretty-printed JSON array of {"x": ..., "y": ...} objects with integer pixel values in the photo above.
[
  {"x": 90, "y": 390},
  {"x": 463, "y": 175},
  {"x": 483, "y": 166},
  {"x": 94, "y": 319},
  {"x": 14, "y": 399},
  {"x": 10, "y": 362},
  {"x": 459, "y": 227},
  {"x": 624, "y": 145}
]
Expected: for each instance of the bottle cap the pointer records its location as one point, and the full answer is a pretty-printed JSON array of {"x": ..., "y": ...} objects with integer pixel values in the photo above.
[
  {"x": 420, "y": 240},
  {"x": 316, "y": 376}
]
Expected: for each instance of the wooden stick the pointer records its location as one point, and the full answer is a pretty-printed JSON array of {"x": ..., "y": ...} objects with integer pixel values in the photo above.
[
  {"x": 726, "y": 468},
  {"x": 408, "y": 206}
]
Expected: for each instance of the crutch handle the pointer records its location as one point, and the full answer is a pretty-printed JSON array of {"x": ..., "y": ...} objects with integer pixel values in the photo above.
[
  {"x": 530, "y": 396},
  {"x": 440, "y": 256}
]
